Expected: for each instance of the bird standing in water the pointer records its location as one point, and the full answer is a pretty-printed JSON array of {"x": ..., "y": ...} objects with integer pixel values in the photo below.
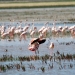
[
  {"x": 51, "y": 46},
  {"x": 35, "y": 42}
]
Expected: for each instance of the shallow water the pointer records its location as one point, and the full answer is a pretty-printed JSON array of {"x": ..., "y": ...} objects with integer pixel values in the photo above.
[{"x": 20, "y": 48}]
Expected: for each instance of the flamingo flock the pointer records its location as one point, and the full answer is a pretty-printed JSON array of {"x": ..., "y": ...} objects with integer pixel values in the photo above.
[{"x": 10, "y": 31}]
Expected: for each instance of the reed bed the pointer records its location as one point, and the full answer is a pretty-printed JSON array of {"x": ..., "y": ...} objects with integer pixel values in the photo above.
[{"x": 56, "y": 58}]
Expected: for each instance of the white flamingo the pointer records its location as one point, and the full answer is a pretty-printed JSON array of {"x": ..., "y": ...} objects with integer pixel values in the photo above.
[
  {"x": 72, "y": 30},
  {"x": 33, "y": 32},
  {"x": 45, "y": 30},
  {"x": 51, "y": 47},
  {"x": 23, "y": 35},
  {"x": 11, "y": 32},
  {"x": 4, "y": 35},
  {"x": 26, "y": 27},
  {"x": 3, "y": 29},
  {"x": 42, "y": 28},
  {"x": 54, "y": 29}
]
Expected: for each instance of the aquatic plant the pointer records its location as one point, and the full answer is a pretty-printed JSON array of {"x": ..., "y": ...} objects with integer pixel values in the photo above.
[{"x": 43, "y": 69}]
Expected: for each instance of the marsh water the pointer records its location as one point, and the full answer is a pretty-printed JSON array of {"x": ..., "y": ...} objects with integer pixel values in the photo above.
[{"x": 20, "y": 48}]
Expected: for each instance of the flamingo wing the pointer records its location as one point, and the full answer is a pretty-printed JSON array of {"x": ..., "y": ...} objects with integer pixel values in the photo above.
[
  {"x": 36, "y": 40},
  {"x": 41, "y": 41}
]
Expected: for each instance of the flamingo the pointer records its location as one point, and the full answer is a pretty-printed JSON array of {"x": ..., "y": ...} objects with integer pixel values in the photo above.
[
  {"x": 72, "y": 30},
  {"x": 35, "y": 42},
  {"x": 11, "y": 32},
  {"x": 51, "y": 46},
  {"x": 26, "y": 27},
  {"x": 54, "y": 29},
  {"x": 45, "y": 30},
  {"x": 33, "y": 47},
  {"x": 33, "y": 32},
  {"x": 23, "y": 35},
  {"x": 18, "y": 31},
  {"x": 63, "y": 30},
  {"x": 3, "y": 29},
  {"x": 42, "y": 28},
  {"x": 4, "y": 35}
]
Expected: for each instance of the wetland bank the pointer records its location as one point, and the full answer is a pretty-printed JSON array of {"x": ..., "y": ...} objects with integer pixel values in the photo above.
[{"x": 38, "y": 14}]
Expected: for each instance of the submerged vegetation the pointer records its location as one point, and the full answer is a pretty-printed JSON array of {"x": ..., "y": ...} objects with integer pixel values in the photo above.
[{"x": 57, "y": 58}]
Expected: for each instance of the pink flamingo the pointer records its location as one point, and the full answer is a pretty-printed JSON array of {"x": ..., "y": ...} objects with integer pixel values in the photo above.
[
  {"x": 35, "y": 42},
  {"x": 23, "y": 35}
]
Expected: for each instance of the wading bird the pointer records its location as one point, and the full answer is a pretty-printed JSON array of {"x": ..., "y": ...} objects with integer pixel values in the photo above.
[
  {"x": 51, "y": 47},
  {"x": 35, "y": 42}
]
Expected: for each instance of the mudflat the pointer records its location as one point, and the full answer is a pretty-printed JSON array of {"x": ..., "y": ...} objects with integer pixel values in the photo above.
[{"x": 39, "y": 14}]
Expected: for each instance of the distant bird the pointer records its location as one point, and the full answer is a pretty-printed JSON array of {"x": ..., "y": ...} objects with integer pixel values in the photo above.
[
  {"x": 51, "y": 45},
  {"x": 23, "y": 35},
  {"x": 26, "y": 27}
]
